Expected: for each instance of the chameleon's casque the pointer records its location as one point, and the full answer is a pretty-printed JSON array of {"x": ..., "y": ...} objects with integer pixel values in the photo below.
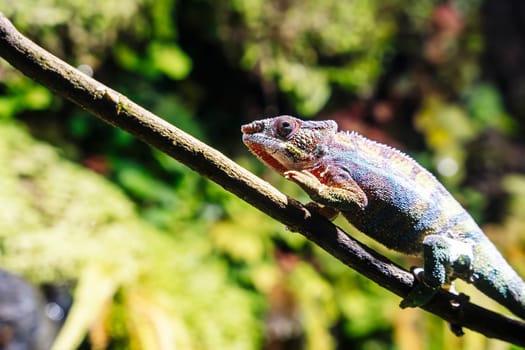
[{"x": 390, "y": 197}]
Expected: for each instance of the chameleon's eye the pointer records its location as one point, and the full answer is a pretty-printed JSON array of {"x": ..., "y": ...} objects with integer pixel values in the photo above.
[{"x": 285, "y": 126}]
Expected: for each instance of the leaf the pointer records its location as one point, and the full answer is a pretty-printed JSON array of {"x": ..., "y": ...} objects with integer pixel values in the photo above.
[
  {"x": 170, "y": 60},
  {"x": 94, "y": 290}
]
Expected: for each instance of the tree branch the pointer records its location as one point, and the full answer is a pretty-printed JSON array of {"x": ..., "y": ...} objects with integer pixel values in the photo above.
[{"x": 117, "y": 110}]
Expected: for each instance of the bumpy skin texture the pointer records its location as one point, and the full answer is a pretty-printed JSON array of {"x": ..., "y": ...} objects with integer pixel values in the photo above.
[{"x": 390, "y": 197}]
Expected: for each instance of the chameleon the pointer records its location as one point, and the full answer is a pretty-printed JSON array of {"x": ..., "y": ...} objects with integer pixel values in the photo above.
[{"x": 388, "y": 196}]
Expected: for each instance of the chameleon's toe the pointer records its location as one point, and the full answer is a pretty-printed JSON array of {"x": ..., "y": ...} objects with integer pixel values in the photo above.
[
  {"x": 303, "y": 178},
  {"x": 421, "y": 293},
  {"x": 418, "y": 296}
]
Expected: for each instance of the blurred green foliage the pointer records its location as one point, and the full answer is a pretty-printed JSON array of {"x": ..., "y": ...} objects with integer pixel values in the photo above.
[
  {"x": 341, "y": 42},
  {"x": 158, "y": 257},
  {"x": 62, "y": 222}
]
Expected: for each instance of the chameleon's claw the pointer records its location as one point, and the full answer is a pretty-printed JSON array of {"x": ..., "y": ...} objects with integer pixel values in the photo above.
[
  {"x": 420, "y": 295},
  {"x": 459, "y": 300},
  {"x": 307, "y": 213},
  {"x": 418, "y": 273},
  {"x": 303, "y": 178},
  {"x": 457, "y": 304}
]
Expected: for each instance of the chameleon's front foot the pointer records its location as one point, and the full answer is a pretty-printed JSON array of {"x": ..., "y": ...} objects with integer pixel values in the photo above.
[
  {"x": 305, "y": 179},
  {"x": 338, "y": 190},
  {"x": 421, "y": 293}
]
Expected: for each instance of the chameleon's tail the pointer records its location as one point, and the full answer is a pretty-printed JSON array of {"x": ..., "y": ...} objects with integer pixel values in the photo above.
[{"x": 498, "y": 280}]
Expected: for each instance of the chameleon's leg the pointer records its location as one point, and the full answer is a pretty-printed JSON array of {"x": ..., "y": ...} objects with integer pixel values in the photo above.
[
  {"x": 340, "y": 191},
  {"x": 442, "y": 258}
]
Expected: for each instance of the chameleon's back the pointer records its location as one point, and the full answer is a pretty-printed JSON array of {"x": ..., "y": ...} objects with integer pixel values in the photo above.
[
  {"x": 406, "y": 204},
  {"x": 405, "y": 201}
]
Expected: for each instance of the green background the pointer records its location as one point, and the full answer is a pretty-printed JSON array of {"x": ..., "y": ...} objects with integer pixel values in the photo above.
[{"x": 157, "y": 257}]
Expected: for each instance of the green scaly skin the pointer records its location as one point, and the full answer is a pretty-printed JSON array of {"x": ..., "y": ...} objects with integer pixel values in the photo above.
[{"x": 390, "y": 197}]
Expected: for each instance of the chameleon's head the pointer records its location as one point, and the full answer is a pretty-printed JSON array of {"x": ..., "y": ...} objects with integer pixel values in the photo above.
[{"x": 287, "y": 143}]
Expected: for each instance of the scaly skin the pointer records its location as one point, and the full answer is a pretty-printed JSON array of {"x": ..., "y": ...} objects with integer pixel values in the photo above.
[{"x": 391, "y": 198}]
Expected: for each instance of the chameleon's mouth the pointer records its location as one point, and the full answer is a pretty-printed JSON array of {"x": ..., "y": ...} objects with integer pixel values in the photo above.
[{"x": 261, "y": 146}]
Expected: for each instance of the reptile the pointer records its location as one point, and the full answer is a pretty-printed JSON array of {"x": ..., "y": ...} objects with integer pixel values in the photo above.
[{"x": 390, "y": 197}]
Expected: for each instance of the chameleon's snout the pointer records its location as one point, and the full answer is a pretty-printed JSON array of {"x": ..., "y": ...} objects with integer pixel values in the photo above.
[{"x": 252, "y": 128}]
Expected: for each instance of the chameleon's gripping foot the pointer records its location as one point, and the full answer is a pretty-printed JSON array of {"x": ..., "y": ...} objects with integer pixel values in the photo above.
[{"x": 423, "y": 293}]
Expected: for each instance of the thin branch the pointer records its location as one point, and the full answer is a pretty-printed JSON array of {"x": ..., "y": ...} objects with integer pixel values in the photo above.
[{"x": 117, "y": 110}]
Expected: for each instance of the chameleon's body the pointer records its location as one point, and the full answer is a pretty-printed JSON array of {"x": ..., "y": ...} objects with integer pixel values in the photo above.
[{"x": 391, "y": 198}]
